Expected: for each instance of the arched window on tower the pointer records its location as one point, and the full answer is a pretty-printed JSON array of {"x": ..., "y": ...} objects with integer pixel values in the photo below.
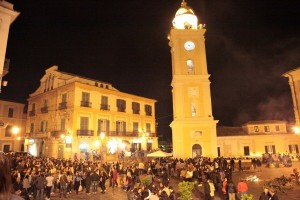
[{"x": 190, "y": 66}]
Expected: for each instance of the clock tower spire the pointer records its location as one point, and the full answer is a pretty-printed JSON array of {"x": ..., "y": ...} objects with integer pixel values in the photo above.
[{"x": 193, "y": 125}]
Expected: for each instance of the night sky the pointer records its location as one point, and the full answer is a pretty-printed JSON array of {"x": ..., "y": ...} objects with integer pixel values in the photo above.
[{"x": 250, "y": 44}]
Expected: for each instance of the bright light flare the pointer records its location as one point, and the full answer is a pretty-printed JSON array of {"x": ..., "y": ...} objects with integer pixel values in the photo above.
[
  {"x": 296, "y": 130},
  {"x": 15, "y": 130},
  {"x": 97, "y": 144},
  {"x": 112, "y": 146}
]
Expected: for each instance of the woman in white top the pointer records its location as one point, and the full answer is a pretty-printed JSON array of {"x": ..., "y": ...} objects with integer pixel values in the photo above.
[{"x": 49, "y": 184}]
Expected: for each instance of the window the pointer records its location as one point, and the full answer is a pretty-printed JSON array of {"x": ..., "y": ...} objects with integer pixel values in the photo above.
[
  {"x": 44, "y": 126},
  {"x": 135, "y": 108},
  {"x": 190, "y": 66},
  {"x": 10, "y": 112},
  {"x": 135, "y": 127},
  {"x": 293, "y": 148},
  {"x": 148, "y": 110},
  {"x": 120, "y": 127},
  {"x": 63, "y": 124},
  {"x": 84, "y": 123},
  {"x": 85, "y": 99},
  {"x": 246, "y": 151},
  {"x": 103, "y": 125},
  {"x": 8, "y": 131},
  {"x": 256, "y": 129},
  {"x": 267, "y": 129},
  {"x": 148, "y": 128},
  {"x": 31, "y": 127},
  {"x": 33, "y": 107},
  {"x": 45, "y": 103},
  {"x": 277, "y": 128},
  {"x": 6, "y": 148},
  {"x": 63, "y": 104},
  {"x": 193, "y": 110},
  {"x": 270, "y": 149},
  {"x": 121, "y": 105},
  {"x": 104, "y": 103},
  {"x": 64, "y": 97}
]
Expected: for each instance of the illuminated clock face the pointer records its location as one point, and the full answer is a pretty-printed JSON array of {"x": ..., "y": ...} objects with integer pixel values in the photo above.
[{"x": 189, "y": 45}]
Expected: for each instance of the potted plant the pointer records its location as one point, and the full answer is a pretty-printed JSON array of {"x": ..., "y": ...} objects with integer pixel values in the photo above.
[
  {"x": 185, "y": 189},
  {"x": 247, "y": 197}
]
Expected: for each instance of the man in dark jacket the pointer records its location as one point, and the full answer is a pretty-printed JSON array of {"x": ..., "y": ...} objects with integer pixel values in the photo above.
[
  {"x": 40, "y": 184},
  {"x": 94, "y": 180}
]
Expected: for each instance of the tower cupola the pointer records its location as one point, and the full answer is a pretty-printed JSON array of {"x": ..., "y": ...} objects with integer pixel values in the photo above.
[{"x": 185, "y": 18}]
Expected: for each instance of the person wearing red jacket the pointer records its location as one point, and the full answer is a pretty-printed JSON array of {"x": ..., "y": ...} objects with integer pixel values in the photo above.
[{"x": 242, "y": 188}]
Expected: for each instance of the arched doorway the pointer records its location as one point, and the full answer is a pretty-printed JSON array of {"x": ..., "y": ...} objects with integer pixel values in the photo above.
[{"x": 196, "y": 150}]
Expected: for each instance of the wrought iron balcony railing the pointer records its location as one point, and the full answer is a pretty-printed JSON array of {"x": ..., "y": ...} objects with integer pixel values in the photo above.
[
  {"x": 62, "y": 105},
  {"x": 85, "y": 133},
  {"x": 86, "y": 104}
]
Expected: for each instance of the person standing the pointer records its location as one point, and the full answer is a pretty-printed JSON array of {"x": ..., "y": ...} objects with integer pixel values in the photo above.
[
  {"x": 40, "y": 184},
  {"x": 115, "y": 178},
  {"x": 94, "y": 181},
  {"x": 206, "y": 190},
  {"x": 224, "y": 189},
  {"x": 63, "y": 181},
  {"x": 242, "y": 188},
  {"x": 103, "y": 177},
  {"x": 273, "y": 194},
  {"x": 212, "y": 189},
  {"x": 265, "y": 194},
  {"x": 88, "y": 182},
  {"x": 49, "y": 184},
  {"x": 76, "y": 182},
  {"x": 231, "y": 190},
  {"x": 5, "y": 177}
]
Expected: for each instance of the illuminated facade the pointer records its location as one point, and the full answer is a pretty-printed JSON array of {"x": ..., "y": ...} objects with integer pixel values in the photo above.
[
  {"x": 11, "y": 117},
  {"x": 70, "y": 114},
  {"x": 193, "y": 125},
  {"x": 7, "y": 16},
  {"x": 256, "y": 138},
  {"x": 294, "y": 82}
]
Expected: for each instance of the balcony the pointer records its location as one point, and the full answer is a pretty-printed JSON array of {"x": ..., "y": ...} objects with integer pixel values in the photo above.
[
  {"x": 57, "y": 134},
  {"x": 128, "y": 134},
  {"x": 85, "y": 133},
  {"x": 104, "y": 107},
  {"x": 38, "y": 135},
  {"x": 31, "y": 113},
  {"x": 121, "y": 109},
  {"x": 135, "y": 111},
  {"x": 44, "y": 109},
  {"x": 85, "y": 104},
  {"x": 62, "y": 105}
]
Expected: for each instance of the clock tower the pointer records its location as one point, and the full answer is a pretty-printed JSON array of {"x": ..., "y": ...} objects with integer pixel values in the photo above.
[{"x": 193, "y": 125}]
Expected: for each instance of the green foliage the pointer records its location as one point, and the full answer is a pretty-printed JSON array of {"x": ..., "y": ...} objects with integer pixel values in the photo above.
[
  {"x": 185, "y": 189},
  {"x": 146, "y": 180},
  {"x": 247, "y": 197}
]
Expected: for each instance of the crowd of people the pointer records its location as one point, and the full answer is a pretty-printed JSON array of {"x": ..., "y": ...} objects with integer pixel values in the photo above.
[{"x": 39, "y": 177}]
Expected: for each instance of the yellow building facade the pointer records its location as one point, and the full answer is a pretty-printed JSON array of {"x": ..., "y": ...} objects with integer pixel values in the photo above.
[
  {"x": 12, "y": 126},
  {"x": 193, "y": 125},
  {"x": 294, "y": 82},
  {"x": 255, "y": 138},
  {"x": 70, "y": 114}
]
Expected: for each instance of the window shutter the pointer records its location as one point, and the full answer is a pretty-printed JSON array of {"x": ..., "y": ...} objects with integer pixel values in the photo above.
[
  {"x": 107, "y": 126},
  {"x": 297, "y": 150},
  {"x": 266, "y": 149},
  {"x": 273, "y": 147}
]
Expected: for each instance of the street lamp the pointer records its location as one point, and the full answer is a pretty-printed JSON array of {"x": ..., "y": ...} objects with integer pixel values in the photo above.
[
  {"x": 296, "y": 130},
  {"x": 15, "y": 130}
]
